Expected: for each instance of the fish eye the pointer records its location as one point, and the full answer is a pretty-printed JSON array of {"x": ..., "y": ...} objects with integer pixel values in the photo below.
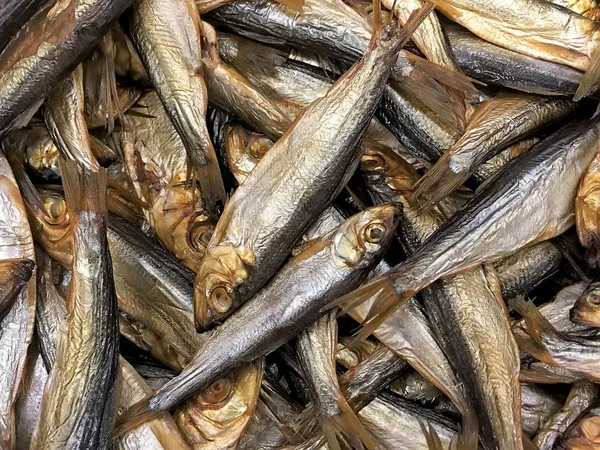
[
  {"x": 259, "y": 147},
  {"x": 218, "y": 391},
  {"x": 372, "y": 162},
  {"x": 221, "y": 299},
  {"x": 56, "y": 207},
  {"x": 594, "y": 300},
  {"x": 374, "y": 233},
  {"x": 200, "y": 235}
]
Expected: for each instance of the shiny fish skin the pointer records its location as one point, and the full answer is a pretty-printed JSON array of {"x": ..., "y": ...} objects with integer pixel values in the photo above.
[
  {"x": 46, "y": 50},
  {"x": 409, "y": 117},
  {"x": 14, "y": 13},
  {"x": 30, "y": 398},
  {"x": 493, "y": 126},
  {"x": 249, "y": 243},
  {"x": 14, "y": 275},
  {"x": 40, "y": 155},
  {"x": 171, "y": 55},
  {"x": 496, "y": 65},
  {"x": 533, "y": 27},
  {"x": 17, "y": 327},
  {"x": 78, "y": 406},
  {"x": 582, "y": 395},
  {"x": 282, "y": 308},
  {"x": 63, "y": 112},
  {"x": 586, "y": 209},
  {"x": 547, "y": 175},
  {"x": 537, "y": 406},
  {"x": 523, "y": 271}
]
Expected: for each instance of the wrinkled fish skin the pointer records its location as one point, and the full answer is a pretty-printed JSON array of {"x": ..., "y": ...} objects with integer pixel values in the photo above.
[
  {"x": 14, "y": 275},
  {"x": 584, "y": 433},
  {"x": 496, "y": 65},
  {"x": 30, "y": 398},
  {"x": 63, "y": 112},
  {"x": 523, "y": 271},
  {"x": 345, "y": 37},
  {"x": 216, "y": 418},
  {"x": 542, "y": 182},
  {"x": 493, "y": 126},
  {"x": 282, "y": 308},
  {"x": 292, "y": 187},
  {"x": 171, "y": 55},
  {"x": 18, "y": 326},
  {"x": 157, "y": 167},
  {"x": 537, "y": 407},
  {"x": 583, "y": 394},
  {"x": 79, "y": 402},
  {"x": 586, "y": 208},
  {"x": 586, "y": 310},
  {"x": 536, "y": 28},
  {"x": 46, "y": 49}
]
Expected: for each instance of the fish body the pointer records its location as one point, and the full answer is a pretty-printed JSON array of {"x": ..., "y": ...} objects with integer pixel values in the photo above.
[
  {"x": 79, "y": 402},
  {"x": 171, "y": 55},
  {"x": 586, "y": 211},
  {"x": 14, "y": 14}
]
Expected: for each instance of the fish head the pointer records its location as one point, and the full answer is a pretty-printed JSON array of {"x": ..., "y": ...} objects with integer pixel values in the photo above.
[
  {"x": 584, "y": 436},
  {"x": 364, "y": 238},
  {"x": 216, "y": 291},
  {"x": 586, "y": 310},
  {"x": 387, "y": 172},
  {"x": 217, "y": 417},
  {"x": 244, "y": 150},
  {"x": 53, "y": 225}
]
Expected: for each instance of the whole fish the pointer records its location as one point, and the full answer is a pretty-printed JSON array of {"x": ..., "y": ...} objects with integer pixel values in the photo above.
[
  {"x": 546, "y": 343},
  {"x": 63, "y": 111},
  {"x": 586, "y": 309},
  {"x": 14, "y": 275},
  {"x": 79, "y": 402},
  {"x": 249, "y": 243},
  {"x": 582, "y": 395},
  {"x": 468, "y": 314},
  {"x": 553, "y": 33},
  {"x": 495, "y": 124},
  {"x": 536, "y": 181},
  {"x": 46, "y": 50},
  {"x": 171, "y": 55},
  {"x": 282, "y": 308},
  {"x": 216, "y": 418},
  {"x": 157, "y": 167},
  {"x": 496, "y": 65},
  {"x": 16, "y": 330},
  {"x": 587, "y": 212},
  {"x": 331, "y": 412},
  {"x": 14, "y": 13},
  {"x": 583, "y": 434}
]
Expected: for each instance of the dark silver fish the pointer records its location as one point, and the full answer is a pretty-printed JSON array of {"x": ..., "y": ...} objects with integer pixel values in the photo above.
[
  {"x": 537, "y": 406},
  {"x": 46, "y": 50},
  {"x": 13, "y": 14},
  {"x": 282, "y": 308}
]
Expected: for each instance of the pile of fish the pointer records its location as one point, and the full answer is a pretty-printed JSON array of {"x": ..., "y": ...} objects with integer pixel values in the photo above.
[{"x": 299, "y": 224}]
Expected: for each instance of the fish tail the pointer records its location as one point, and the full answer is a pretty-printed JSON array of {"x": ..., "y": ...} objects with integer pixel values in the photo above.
[
  {"x": 85, "y": 190},
  {"x": 431, "y": 437},
  {"x": 591, "y": 77},
  {"x": 537, "y": 324},
  {"x": 347, "y": 425},
  {"x": 211, "y": 186},
  {"x": 438, "y": 182},
  {"x": 134, "y": 416},
  {"x": 414, "y": 20},
  {"x": 468, "y": 437}
]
